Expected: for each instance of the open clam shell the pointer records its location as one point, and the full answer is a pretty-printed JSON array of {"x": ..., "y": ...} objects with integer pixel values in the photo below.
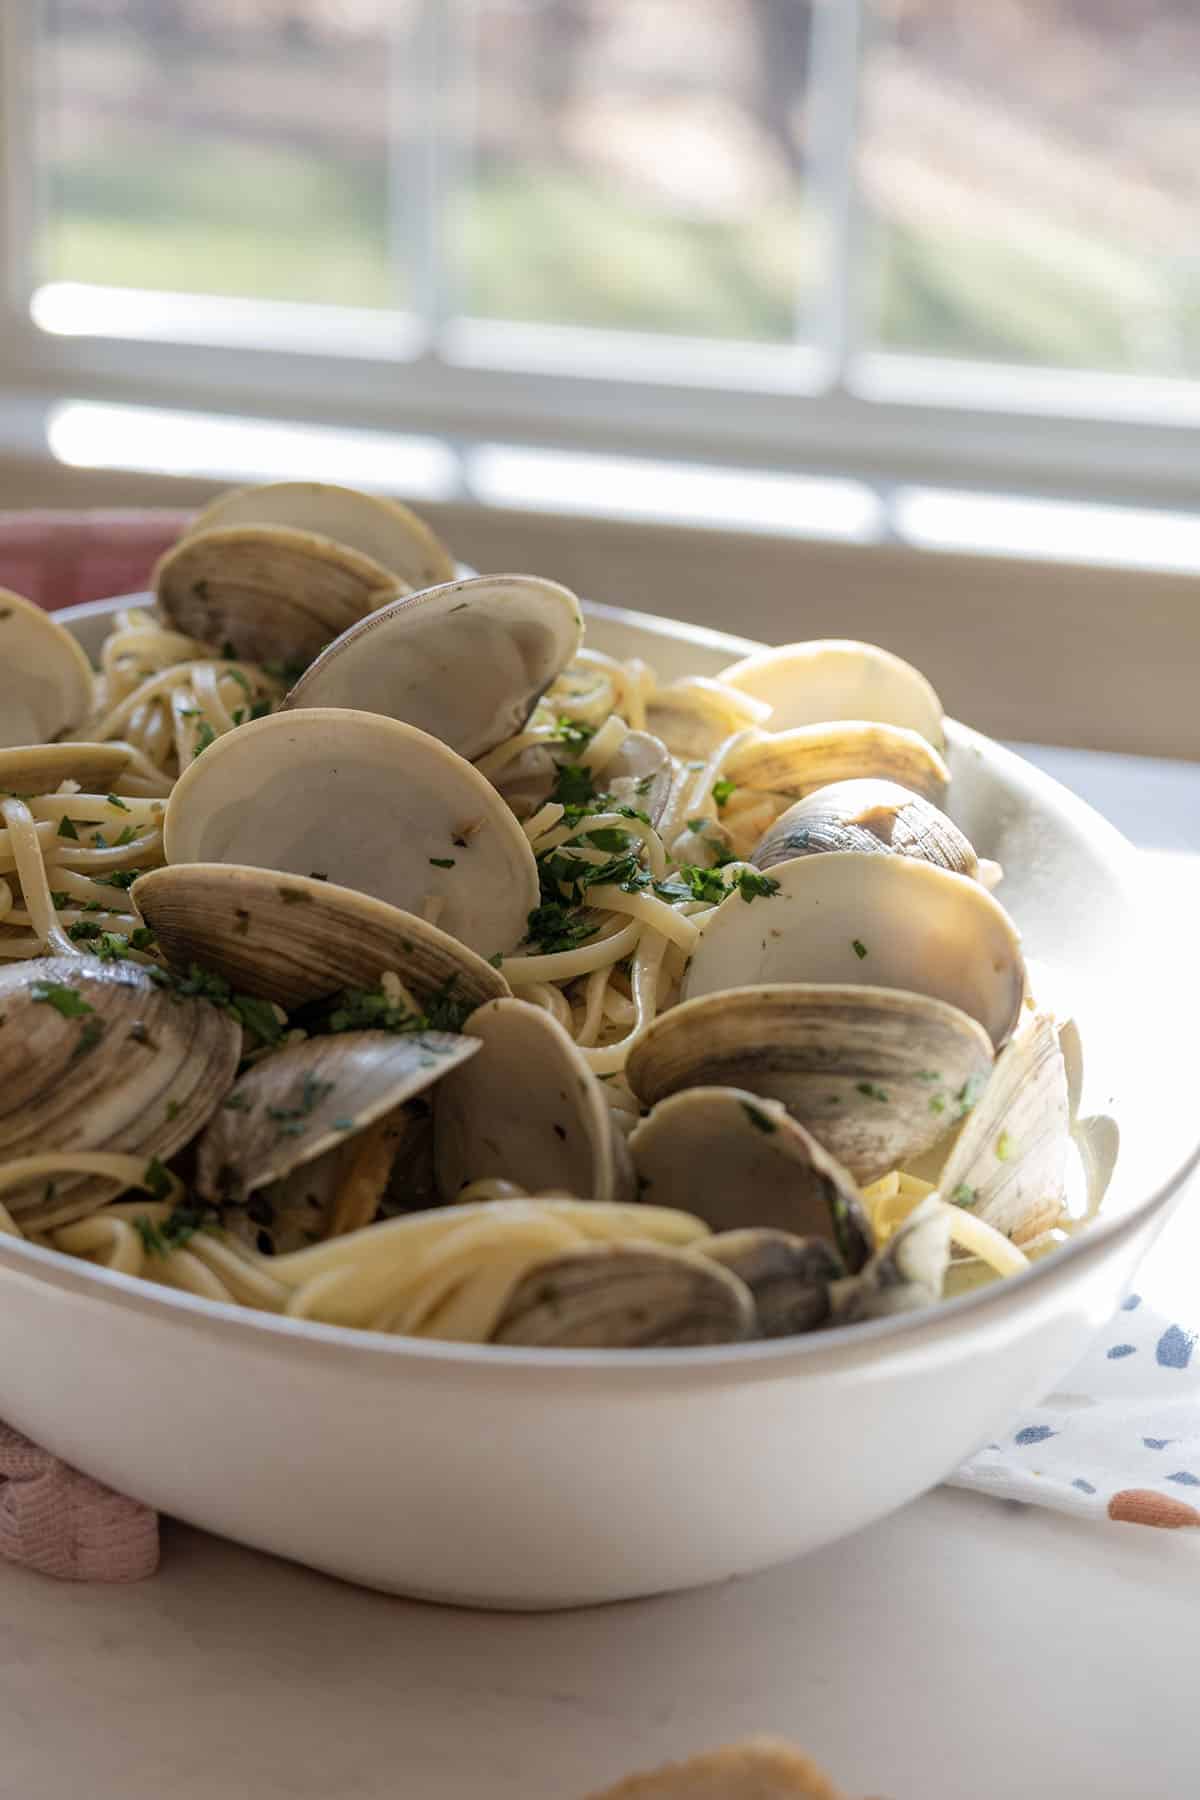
[
  {"x": 95, "y": 1057},
  {"x": 368, "y": 803},
  {"x": 1009, "y": 1162},
  {"x": 788, "y": 1277},
  {"x": 385, "y": 530},
  {"x": 39, "y": 768},
  {"x": 527, "y": 1110},
  {"x": 308, "y": 1098},
  {"x": 837, "y": 678},
  {"x": 466, "y": 662},
  {"x": 276, "y": 595},
  {"x": 293, "y": 939},
  {"x": 734, "y": 1159},
  {"x": 877, "y": 1076},
  {"x": 805, "y": 757},
  {"x": 878, "y": 817},
  {"x": 45, "y": 678},
  {"x": 879, "y": 921},
  {"x": 626, "y": 1296}
]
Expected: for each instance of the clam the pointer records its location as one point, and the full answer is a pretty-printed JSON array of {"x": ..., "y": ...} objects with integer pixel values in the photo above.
[
  {"x": 734, "y": 1159},
  {"x": 310, "y": 1098},
  {"x": 797, "y": 761},
  {"x": 39, "y": 768},
  {"x": 836, "y": 678},
  {"x": 878, "y": 921},
  {"x": 876, "y": 1076},
  {"x": 270, "y": 592},
  {"x": 626, "y": 1296},
  {"x": 1009, "y": 1162},
  {"x": 908, "y": 1273},
  {"x": 95, "y": 1057},
  {"x": 385, "y": 530},
  {"x": 528, "y": 1110},
  {"x": 45, "y": 678},
  {"x": 789, "y": 1277},
  {"x": 694, "y": 715},
  {"x": 872, "y": 816},
  {"x": 369, "y": 803},
  {"x": 294, "y": 939},
  {"x": 640, "y": 774},
  {"x": 466, "y": 662}
]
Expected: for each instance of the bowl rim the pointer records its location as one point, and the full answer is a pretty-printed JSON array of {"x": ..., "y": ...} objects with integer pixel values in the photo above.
[{"x": 767, "y": 1358}]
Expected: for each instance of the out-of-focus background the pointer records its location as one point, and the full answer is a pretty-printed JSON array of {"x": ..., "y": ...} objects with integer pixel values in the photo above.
[{"x": 792, "y": 316}]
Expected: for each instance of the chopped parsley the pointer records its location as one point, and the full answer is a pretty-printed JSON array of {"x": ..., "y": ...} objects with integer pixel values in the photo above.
[
  {"x": 928, "y": 1075},
  {"x": 496, "y": 959},
  {"x": 859, "y": 948},
  {"x": 176, "y": 1229},
  {"x": 127, "y": 835},
  {"x": 574, "y": 785},
  {"x": 123, "y": 878},
  {"x": 554, "y": 926},
  {"x": 114, "y": 801},
  {"x": 937, "y": 1103},
  {"x": 90, "y": 1033},
  {"x": 964, "y": 1195},
  {"x": 441, "y": 862},
  {"x": 290, "y": 1119},
  {"x": 62, "y": 997},
  {"x": 155, "y": 1180},
  {"x": 205, "y": 735},
  {"x": 700, "y": 825},
  {"x": 872, "y": 1091},
  {"x": 753, "y": 886},
  {"x": 574, "y": 733},
  {"x": 174, "y": 1108},
  {"x": 66, "y": 829},
  {"x": 253, "y": 1014},
  {"x": 343, "y": 1124},
  {"x": 968, "y": 1094},
  {"x": 236, "y": 1102},
  {"x": 722, "y": 790},
  {"x": 759, "y": 1119},
  {"x": 369, "y": 1009}
]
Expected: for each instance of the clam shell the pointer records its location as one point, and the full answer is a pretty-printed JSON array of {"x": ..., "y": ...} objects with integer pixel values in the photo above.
[
  {"x": 838, "y": 678},
  {"x": 1009, "y": 1162},
  {"x": 293, "y": 940},
  {"x": 617, "y": 1296},
  {"x": 788, "y": 1277},
  {"x": 45, "y": 678},
  {"x": 882, "y": 921},
  {"x": 796, "y": 761},
  {"x": 871, "y": 816},
  {"x": 908, "y": 1273},
  {"x": 528, "y": 1110},
  {"x": 369, "y": 803},
  {"x": 875, "y": 1075},
  {"x": 385, "y": 530},
  {"x": 39, "y": 768},
  {"x": 305, "y": 1099},
  {"x": 694, "y": 715},
  {"x": 144, "y": 1086},
  {"x": 274, "y": 594},
  {"x": 735, "y": 1160},
  {"x": 466, "y": 662},
  {"x": 640, "y": 774}
]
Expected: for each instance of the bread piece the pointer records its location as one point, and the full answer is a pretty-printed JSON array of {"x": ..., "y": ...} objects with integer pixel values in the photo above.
[{"x": 761, "y": 1769}]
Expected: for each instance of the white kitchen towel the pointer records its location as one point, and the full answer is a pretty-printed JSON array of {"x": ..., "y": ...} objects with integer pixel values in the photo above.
[{"x": 1120, "y": 1436}]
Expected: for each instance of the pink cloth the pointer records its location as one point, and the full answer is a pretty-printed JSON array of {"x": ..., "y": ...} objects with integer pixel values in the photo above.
[
  {"x": 52, "y": 1518},
  {"x": 63, "y": 558},
  {"x": 62, "y": 1523}
]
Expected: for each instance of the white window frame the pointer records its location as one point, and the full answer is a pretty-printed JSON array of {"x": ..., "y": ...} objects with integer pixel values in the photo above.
[{"x": 882, "y": 416}]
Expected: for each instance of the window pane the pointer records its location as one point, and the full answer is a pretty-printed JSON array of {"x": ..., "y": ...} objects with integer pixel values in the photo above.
[
  {"x": 1033, "y": 173},
  {"x": 218, "y": 146},
  {"x": 639, "y": 165}
]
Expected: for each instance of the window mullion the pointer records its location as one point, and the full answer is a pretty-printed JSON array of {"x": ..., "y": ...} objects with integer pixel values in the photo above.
[
  {"x": 838, "y": 42},
  {"x": 425, "y": 60}
]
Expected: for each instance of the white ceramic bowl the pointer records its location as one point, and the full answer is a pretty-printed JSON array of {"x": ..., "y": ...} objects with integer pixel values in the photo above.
[{"x": 516, "y": 1478}]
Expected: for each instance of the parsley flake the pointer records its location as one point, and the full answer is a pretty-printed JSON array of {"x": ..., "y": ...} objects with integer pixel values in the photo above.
[
  {"x": 859, "y": 948},
  {"x": 722, "y": 790}
]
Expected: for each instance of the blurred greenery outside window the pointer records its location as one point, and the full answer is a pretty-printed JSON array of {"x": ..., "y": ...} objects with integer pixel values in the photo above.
[{"x": 1024, "y": 175}]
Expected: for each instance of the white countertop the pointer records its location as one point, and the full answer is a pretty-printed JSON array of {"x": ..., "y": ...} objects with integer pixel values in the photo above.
[{"x": 963, "y": 1649}]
